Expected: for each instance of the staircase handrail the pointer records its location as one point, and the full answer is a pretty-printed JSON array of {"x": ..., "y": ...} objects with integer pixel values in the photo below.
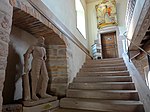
[{"x": 135, "y": 45}]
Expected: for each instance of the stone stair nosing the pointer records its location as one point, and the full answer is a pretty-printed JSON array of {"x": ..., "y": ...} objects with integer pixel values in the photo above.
[
  {"x": 102, "y": 105},
  {"x": 103, "y": 94},
  {"x": 85, "y": 65},
  {"x": 104, "y": 61},
  {"x": 107, "y": 73},
  {"x": 103, "y": 86},
  {"x": 74, "y": 110},
  {"x": 101, "y": 74},
  {"x": 110, "y": 59},
  {"x": 103, "y": 79},
  {"x": 121, "y": 68}
]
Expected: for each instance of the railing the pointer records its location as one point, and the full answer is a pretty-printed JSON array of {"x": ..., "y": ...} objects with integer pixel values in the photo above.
[{"x": 140, "y": 48}]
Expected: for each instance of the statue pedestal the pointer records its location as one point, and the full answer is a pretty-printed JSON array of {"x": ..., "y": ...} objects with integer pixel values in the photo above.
[{"x": 40, "y": 105}]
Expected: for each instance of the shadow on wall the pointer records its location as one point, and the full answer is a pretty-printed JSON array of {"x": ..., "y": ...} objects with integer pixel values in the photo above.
[
  {"x": 19, "y": 43},
  {"x": 13, "y": 73}
]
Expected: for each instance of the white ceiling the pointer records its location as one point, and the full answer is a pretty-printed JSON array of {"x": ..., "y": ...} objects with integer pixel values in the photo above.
[{"x": 89, "y": 1}]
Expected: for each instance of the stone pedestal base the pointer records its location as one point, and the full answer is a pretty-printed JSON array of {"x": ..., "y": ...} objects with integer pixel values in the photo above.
[
  {"x": 40, "y": 105},
  {"x": 12, "y": 108}
]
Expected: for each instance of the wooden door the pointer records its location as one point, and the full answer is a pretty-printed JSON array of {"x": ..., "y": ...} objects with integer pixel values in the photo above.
[{"x": 109, "y": 45}]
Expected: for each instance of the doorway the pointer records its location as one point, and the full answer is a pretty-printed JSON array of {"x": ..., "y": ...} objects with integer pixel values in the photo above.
[{"x": 109, "y": 45}]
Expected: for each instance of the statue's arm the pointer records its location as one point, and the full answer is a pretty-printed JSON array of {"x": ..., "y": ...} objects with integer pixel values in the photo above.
[
  {"x": 26, "y": 59},
  {"x": 28, "y": 52}
]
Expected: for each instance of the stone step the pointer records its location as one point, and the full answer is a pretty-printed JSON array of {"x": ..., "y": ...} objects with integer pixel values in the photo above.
[
  {"x": 101, "y": 74},
  {"x": 102, "y": 105},
  {"x": 41, "y": 107},
  {"x": 75, "y": 110},
  {"x": 103, "y": 94},
  {"x": 97, "y": 69},
  {"x": 104, "y": 61},
  {"x": 108, "y": 59},
  {"x": 103, "y": 86},
  {"x": 103, "y": 79},
  {"x": 103, "y": 65}
]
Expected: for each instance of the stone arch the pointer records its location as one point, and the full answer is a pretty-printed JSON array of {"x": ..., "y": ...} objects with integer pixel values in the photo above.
[{"x": 33, "y": 22}]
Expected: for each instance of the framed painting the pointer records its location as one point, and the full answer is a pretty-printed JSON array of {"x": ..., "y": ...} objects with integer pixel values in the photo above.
[{"x": 106, "y": 14}]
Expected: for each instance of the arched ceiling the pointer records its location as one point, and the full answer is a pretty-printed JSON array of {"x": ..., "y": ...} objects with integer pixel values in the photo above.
[{"x": 33, "y": 22}]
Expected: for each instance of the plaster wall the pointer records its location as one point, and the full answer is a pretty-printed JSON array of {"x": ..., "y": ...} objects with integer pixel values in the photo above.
[
  {"x": 65, "y": 11},
  {"x": 19, "y": 43},
  {"x": 92, "y": 21},
  {"x": 76, "y": 58}
]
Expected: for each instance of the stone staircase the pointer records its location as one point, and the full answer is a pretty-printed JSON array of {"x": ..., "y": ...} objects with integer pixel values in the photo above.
[{"x": 102, "y": 86}]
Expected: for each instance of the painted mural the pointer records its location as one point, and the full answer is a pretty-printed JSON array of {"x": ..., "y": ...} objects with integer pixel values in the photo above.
[{"x": 106, "y": 14}]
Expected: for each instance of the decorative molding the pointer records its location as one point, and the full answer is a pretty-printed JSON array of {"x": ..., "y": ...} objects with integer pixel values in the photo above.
[{"x": 109, "y": 30}]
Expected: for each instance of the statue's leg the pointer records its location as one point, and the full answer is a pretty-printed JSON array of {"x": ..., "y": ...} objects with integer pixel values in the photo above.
[
  {"x": 45, "y": 78},
  {"x": 26, "y": 87},
  {"x": 36, "y": 65}
]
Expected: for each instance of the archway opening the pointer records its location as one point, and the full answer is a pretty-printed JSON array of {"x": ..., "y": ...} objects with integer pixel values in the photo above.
[{"x": 24, "y": 34}]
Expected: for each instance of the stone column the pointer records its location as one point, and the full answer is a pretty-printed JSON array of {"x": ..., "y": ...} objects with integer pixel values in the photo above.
[
  {"x": 57, "y": 69},
  {"x": 5, "y": 28}
]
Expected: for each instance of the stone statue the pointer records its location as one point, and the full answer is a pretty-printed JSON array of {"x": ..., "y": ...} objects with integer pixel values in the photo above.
[{"x": 38, "y": 69}]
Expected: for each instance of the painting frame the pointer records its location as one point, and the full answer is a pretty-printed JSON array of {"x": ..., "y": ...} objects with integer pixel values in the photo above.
[{"x": 106, "y": 14}]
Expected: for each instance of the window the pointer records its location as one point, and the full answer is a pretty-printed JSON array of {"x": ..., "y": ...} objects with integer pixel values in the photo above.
[{"x": 80, "y": 17}]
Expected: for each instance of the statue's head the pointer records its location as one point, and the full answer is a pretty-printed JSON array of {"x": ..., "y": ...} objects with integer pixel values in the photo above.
[{"x": 41, "y": 40}]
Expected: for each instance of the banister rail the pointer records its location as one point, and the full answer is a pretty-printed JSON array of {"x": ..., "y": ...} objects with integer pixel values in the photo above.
[{"x": 140, "y": 48}]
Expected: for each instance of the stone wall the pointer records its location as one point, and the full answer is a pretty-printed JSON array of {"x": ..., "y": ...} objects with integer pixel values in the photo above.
[
  {"x": 141, "y": 63},
  {"x": 57, "y": 69},
  {"x": 64, "y": 62},
  {"x": 12, "y": 108},
  {"x": 5, "y": 28}
]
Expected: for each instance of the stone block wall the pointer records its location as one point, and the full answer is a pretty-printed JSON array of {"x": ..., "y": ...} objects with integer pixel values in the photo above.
[
  {"x": 12, "y": 108},
  {"x": 57, "y": 69},
  {"x": 141, "y": 63},
  {"x": 5, "y": 28}
]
